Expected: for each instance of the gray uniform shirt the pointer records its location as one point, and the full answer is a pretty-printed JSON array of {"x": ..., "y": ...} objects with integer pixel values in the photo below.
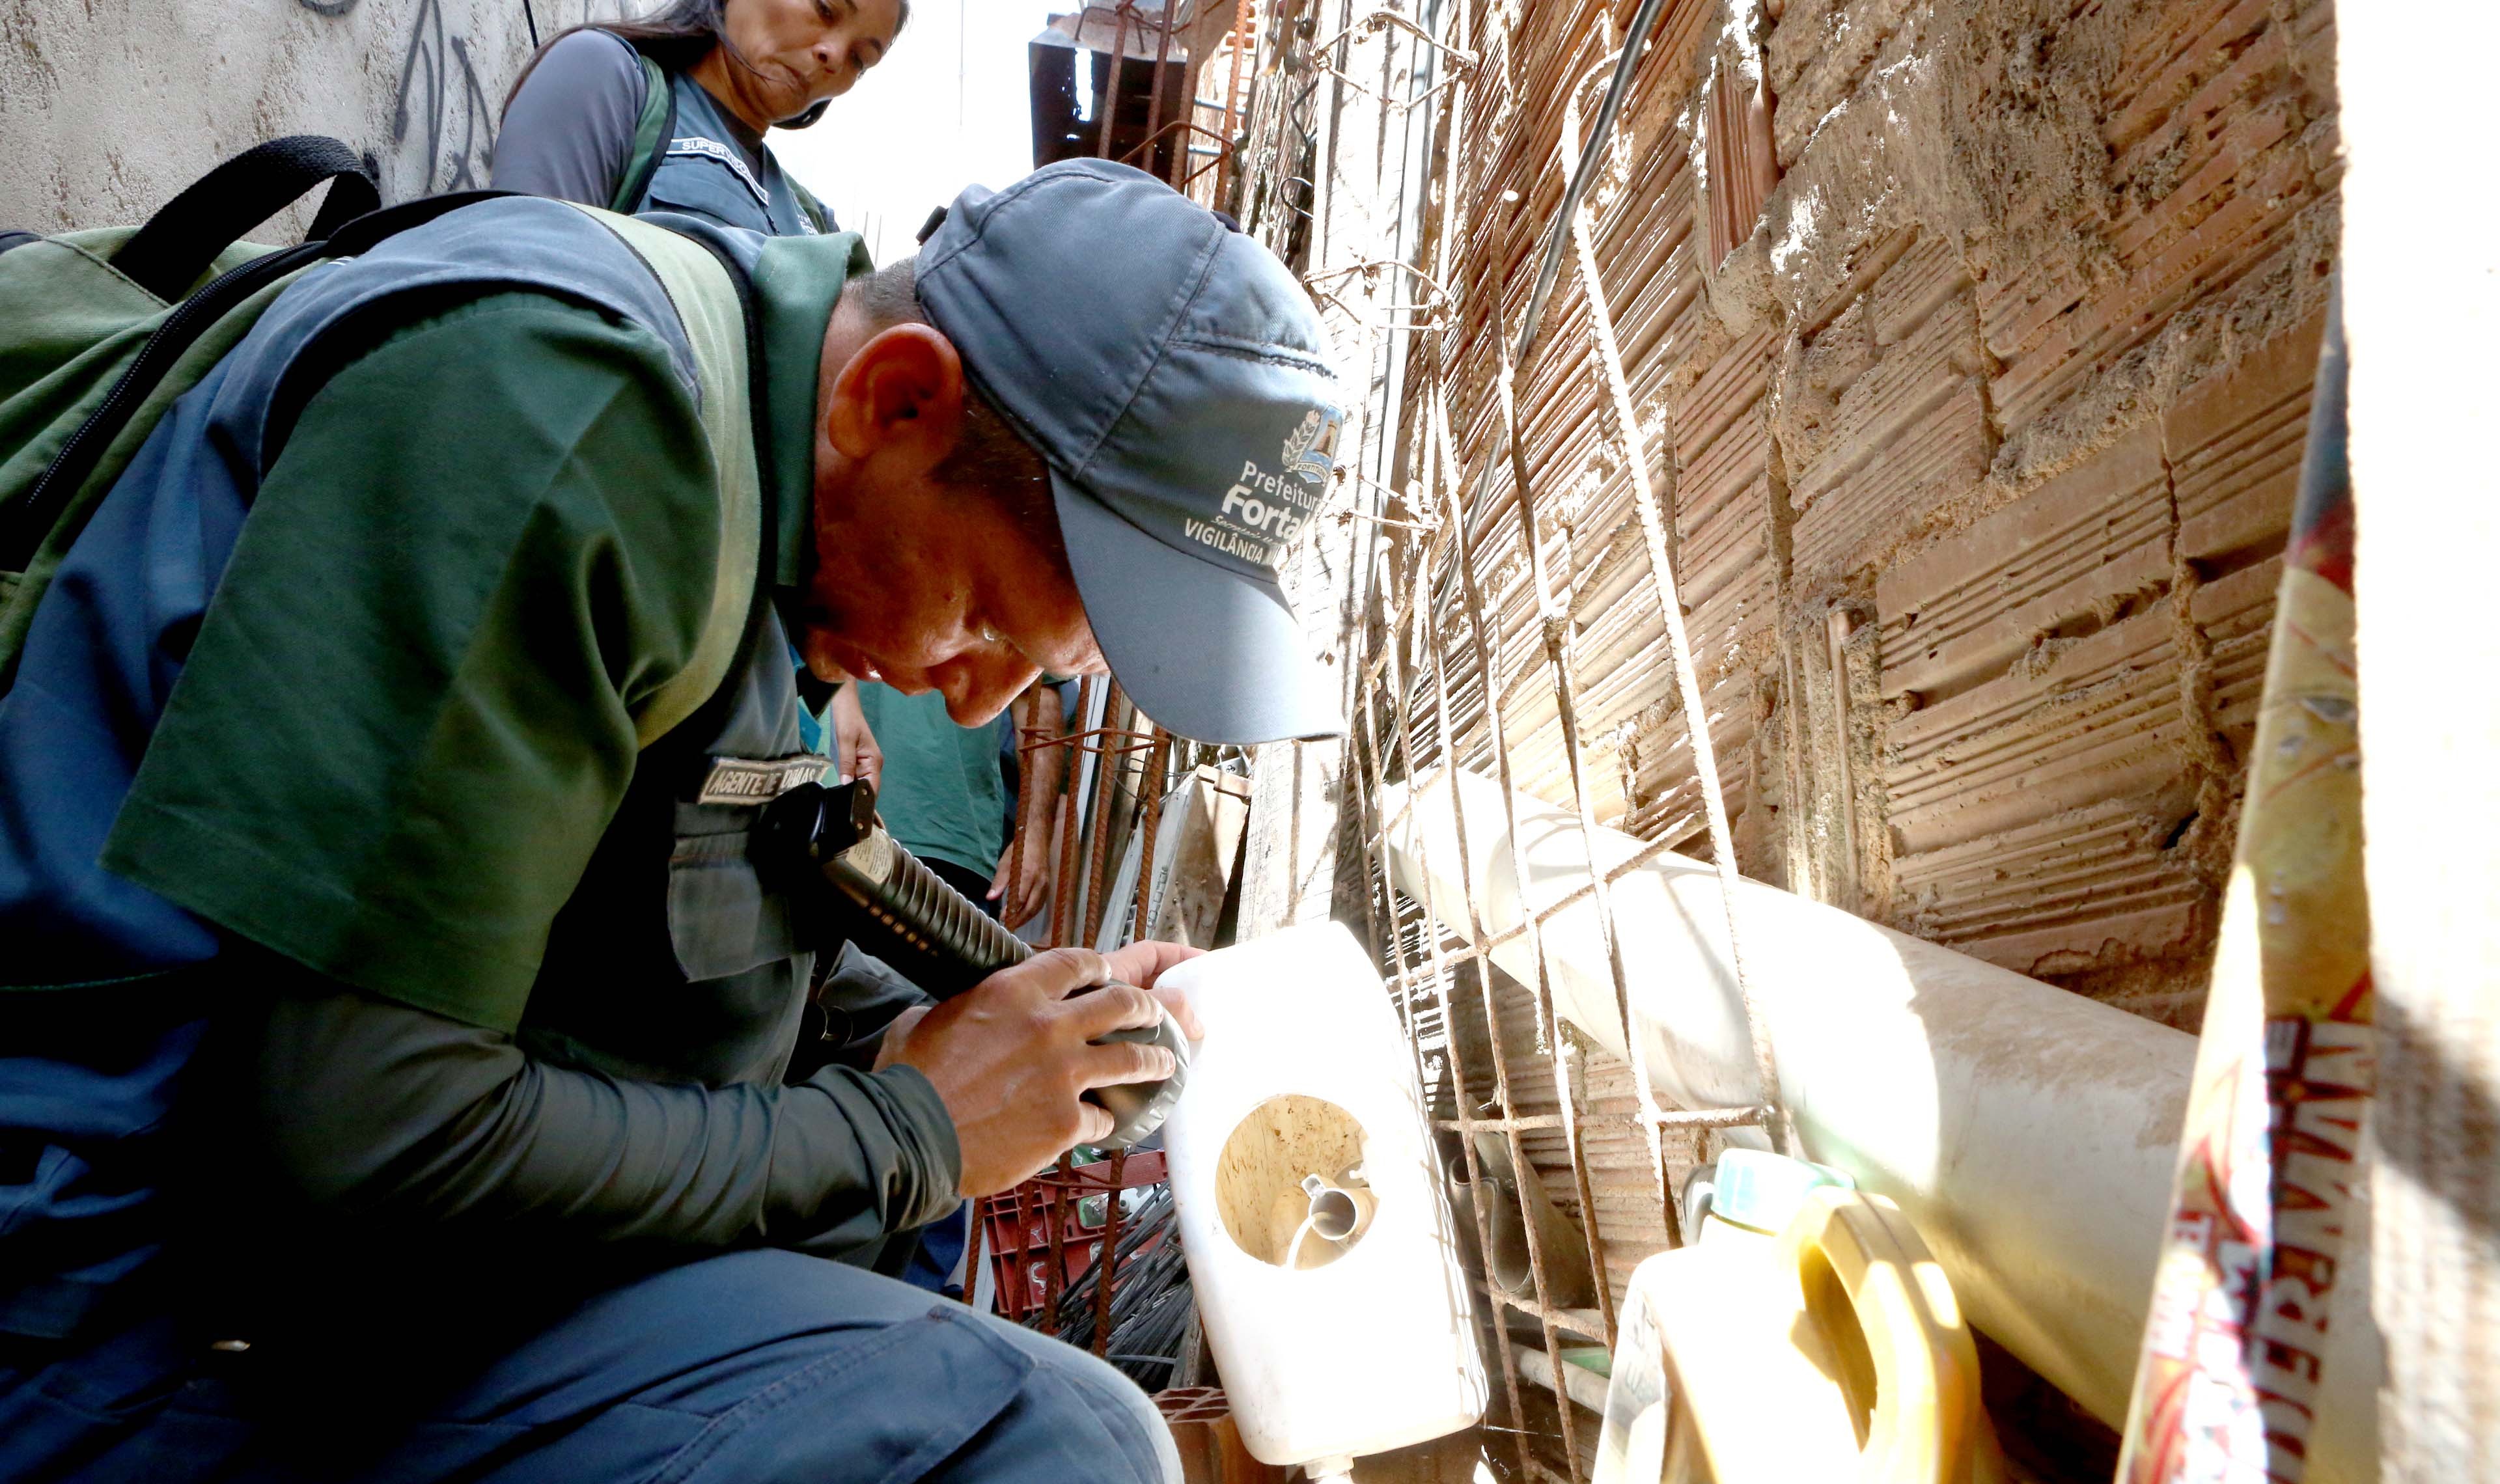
[{"x": 571, "y": 127}]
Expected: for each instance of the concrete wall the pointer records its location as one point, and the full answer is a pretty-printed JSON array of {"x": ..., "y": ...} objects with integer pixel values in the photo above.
[{"x": 107, "y": 109}]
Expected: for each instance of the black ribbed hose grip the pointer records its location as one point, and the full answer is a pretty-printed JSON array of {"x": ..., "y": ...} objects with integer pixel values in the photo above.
[
  {"x": 824, "y": 847},
  {"x": 963, "y": 944}
]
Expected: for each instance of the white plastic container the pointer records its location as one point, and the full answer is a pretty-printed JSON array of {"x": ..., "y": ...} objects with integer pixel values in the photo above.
[{"x": 1367, "y": 1344}]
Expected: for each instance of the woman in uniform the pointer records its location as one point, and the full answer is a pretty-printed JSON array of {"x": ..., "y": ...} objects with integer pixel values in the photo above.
[{"x": 669, "y": 112}]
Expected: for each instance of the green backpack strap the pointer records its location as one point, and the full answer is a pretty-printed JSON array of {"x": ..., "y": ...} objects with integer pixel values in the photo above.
[
  {"x": 712, "y": 306},
  {"x": 817, "y": 216},
  {"x": 101, "y": 330},
  {"x": 654, "y": 128}
]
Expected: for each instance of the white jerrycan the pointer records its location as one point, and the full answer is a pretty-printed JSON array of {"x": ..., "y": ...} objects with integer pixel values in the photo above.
[{"x": 1318, "y": 1241}]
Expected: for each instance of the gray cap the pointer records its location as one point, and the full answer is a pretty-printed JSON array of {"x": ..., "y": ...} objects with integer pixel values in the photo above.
[{"x": 1175, "y": 378}]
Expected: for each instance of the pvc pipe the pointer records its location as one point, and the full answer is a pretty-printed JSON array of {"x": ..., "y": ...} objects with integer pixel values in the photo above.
[
  {"x": 2029, "y": 1132},
  {"x": 1337, "y": 1213}
]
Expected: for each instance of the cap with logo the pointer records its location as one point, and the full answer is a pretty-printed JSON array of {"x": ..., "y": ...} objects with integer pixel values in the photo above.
[{"x": 1174, "y": 377}]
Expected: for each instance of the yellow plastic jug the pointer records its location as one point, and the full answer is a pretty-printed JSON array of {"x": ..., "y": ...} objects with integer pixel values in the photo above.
[{"x": 1832, "y": 1352}]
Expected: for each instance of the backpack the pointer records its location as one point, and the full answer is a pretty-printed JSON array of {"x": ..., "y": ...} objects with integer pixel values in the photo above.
[{"x": 102, "y": 330}]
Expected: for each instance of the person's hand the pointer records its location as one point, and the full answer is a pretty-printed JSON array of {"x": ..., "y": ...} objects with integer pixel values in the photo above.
[
  {"x": 1011, "y": 1058},
  {"x": 1143, "y": 965},
  {"x": 1030, "y": 889},
  {"x": 889, "y": 1046},
  {"x": 856, "y": 754}
]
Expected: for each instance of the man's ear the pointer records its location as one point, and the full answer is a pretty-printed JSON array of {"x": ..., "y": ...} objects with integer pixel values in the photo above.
[{"x": 900, "y": 392}]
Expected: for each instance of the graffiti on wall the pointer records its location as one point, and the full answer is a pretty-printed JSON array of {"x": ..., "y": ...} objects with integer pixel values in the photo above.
[
  {"x": 442, "y": 103},
  {"x": 449, "y": 85}
]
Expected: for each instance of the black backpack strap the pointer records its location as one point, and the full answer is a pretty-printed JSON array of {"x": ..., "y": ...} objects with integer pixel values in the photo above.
[
  {"x": 167, "y": 254},
  {"x": 366, "y": 232}
]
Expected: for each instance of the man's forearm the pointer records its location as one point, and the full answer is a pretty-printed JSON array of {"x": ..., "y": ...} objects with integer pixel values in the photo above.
[{"x": 381, "y": 1110}]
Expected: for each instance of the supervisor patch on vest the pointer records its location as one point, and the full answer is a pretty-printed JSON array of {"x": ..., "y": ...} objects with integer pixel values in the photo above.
[
  {"x": 696, "y": 147},
  {"x": 760, "y": 781}
]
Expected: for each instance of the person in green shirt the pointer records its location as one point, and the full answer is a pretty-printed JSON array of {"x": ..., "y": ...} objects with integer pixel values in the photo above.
[{"x": 396, "y": 1047}]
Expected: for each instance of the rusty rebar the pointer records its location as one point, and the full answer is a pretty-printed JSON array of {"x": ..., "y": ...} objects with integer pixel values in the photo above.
[
  {"x": 1227, "y": 166},
  {"x": 1182, "y": 125},
  {"x": 1157, "y": 761},
  {"x": 1107, "y": 1256},
  {"x": 1062, "y": 890},
  {"x": 1154, "y": 90},
  {"x": 1548, "y": 1027},
  {"x": 1098, "y": 832},
  {"x": 1017, "y": 845},
  {"x": 973, "y": 1242},
  {"x": 1055, "y": 1207},
  {"x": 1108, "y": 100}
]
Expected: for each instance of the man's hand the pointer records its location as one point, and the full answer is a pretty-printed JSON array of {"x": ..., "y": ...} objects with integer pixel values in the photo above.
[
  {"x": 1145, "y": 963},
  {"x": 889, "y": 1046},
  {"x": 1013, "y": 1058},
  {"x": 1032, "y": 887},
  {"x": 856, "y": 754}
]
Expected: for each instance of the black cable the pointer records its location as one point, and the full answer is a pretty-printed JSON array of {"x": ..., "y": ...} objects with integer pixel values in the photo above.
[
  {"x": 1635, "y": 42},
  {"x": 1582, "y": 174}
]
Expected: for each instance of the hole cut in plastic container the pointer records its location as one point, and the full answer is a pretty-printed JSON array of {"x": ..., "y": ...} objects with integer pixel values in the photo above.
[{"x": 1259, "y": 1179}]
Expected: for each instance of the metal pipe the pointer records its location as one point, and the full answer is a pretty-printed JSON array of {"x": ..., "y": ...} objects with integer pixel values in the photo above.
[{"x": 1550, "y": 266}]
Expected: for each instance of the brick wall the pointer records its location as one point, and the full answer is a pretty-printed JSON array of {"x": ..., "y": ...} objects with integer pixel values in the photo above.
[{"x": 1981, "y": 445}]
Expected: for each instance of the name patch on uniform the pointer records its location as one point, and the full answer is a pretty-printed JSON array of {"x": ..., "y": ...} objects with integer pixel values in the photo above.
[
  {"x": 760, "y": 779},
  {"x": 700, "y": 147}
]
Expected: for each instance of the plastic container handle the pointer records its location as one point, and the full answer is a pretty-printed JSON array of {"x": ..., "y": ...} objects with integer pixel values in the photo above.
[{"x": 1927, "y": 1370}]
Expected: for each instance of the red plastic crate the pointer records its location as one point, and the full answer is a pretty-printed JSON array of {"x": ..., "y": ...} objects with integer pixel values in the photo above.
[{"x": 1015, "y": 1229}]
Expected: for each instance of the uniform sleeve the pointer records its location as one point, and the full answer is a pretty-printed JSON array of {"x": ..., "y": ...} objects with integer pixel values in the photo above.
[
  {"x": 408, "y": 714},
  {"x": 387, "y": 1114},
  {"x": 570, "y": 130}
]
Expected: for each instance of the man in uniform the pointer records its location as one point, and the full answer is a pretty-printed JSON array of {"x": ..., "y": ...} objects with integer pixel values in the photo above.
[{"x": 392, "y": 1083}]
